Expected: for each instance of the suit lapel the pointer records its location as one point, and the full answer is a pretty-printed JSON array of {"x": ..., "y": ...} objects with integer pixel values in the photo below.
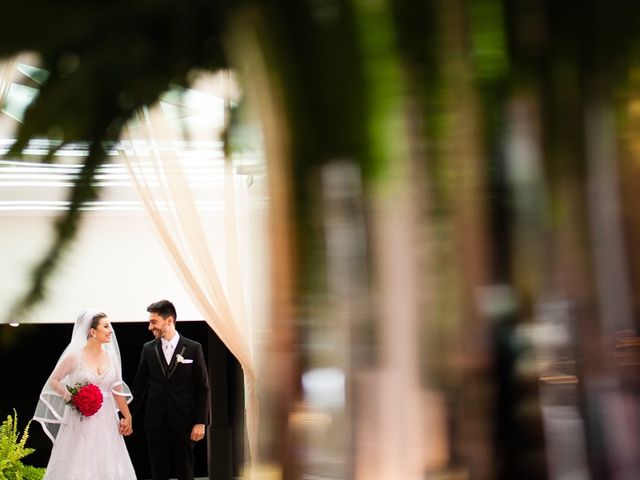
[
  {"x": 160, "y": 357},
  {"x": 174, "y": 360}
]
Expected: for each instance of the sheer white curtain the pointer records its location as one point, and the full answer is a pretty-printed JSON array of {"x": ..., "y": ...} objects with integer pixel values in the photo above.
[{"x": 208, "y": 221}]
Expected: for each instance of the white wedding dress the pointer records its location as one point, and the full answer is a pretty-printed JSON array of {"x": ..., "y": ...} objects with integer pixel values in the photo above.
[{"x": 91, "y": 448}]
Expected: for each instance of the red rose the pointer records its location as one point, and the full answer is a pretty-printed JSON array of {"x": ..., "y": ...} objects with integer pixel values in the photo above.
[{"x": 86, "y": 398}]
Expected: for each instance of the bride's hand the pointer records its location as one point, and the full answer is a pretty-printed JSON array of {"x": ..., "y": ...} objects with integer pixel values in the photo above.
[{"x": 125, "y": 426}]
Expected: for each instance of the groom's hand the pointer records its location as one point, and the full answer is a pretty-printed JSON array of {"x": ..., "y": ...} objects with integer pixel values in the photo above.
[
  {"x": 197, "y": 432},
  {"x": 125, "y": 426}
]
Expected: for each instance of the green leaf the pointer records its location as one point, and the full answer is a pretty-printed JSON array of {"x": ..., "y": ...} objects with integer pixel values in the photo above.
[{"x": 13, "y": 449}]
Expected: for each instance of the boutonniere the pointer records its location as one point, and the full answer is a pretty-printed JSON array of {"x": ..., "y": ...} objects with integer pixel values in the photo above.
[{"x": 181, "y": 359}]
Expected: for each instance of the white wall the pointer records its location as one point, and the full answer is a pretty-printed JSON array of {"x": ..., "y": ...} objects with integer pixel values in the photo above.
[{"x": 115, "y": 265}]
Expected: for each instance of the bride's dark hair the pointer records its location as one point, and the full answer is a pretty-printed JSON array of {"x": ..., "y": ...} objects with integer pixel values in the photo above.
[{"x": 96, "y": 319}]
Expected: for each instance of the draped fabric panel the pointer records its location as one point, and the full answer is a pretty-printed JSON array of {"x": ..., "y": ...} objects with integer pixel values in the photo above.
[{"x": 203, "y": 216}]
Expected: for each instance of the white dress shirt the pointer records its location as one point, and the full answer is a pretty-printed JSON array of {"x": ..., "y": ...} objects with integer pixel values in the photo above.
[{"x": 169, "y": 346}]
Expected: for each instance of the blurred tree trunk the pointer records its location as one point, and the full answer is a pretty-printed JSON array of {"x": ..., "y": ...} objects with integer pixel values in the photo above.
[
  {"x": 471, "y": 127},
  {"x": 355, "y": 125}
]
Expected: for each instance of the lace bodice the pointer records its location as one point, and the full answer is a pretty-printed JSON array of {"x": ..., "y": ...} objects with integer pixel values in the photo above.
[{"x": 83, "y": 373}]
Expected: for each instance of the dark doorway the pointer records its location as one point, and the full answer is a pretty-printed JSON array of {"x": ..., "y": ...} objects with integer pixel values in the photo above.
[{"x": 29, "y": 352}]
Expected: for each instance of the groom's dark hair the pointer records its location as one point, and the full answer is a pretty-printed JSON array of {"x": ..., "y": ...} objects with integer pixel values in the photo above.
[{"x": 164, "y": 308}]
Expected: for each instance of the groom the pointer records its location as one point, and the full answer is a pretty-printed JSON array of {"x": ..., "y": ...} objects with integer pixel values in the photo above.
[{"x": 172, "y": 379}]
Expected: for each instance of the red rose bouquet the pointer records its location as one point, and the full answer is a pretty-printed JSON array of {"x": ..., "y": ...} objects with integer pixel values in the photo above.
[{"x": 86, "y": 398}]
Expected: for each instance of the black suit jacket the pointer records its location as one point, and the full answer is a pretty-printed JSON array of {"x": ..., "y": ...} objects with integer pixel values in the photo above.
[{"x": 176, "y": 395}]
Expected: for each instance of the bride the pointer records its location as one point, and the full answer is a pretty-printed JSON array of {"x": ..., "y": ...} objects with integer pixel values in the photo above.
[{"x": 87, "y": 445}]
